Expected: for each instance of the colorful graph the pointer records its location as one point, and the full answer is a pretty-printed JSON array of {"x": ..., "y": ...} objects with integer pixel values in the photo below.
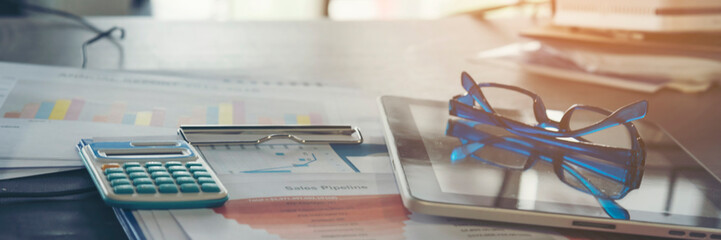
[
  {"x": 63, "y": 109},
  {"x": 226, "y": 113},
  {"x": 118, "y": 114},
  {"x": 71, "y": 109},
  {"x": 236, "y": 113},
  {"x": 322, "y": 217}
]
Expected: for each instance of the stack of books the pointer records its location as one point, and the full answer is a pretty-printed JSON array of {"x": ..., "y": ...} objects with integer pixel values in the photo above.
[{"x": 639, "y": 45}]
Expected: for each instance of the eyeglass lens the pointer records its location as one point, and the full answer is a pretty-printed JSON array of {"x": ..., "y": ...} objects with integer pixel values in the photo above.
[
  {"x": 617, "y": 136},
  {"x": 511, "y": 104},
  {"x": 586, "y": 180}
]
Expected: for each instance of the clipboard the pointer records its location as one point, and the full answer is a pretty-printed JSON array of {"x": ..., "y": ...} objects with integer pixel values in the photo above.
[{"x": 256, "y": 134}]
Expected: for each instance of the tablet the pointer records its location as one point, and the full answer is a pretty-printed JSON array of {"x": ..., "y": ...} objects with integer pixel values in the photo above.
[{"x": 673, "y": 196}]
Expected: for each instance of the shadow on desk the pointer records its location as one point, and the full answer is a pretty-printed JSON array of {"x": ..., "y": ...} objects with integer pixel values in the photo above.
[{"x": 79, "y": 216}]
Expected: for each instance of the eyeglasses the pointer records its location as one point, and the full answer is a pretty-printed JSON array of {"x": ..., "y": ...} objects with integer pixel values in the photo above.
[
  {"x": 475, "y": 106},
  {"x": 577, "y": 129},
  {"x": 605, "y": 179},
  {"x": 582, "y": 157}
]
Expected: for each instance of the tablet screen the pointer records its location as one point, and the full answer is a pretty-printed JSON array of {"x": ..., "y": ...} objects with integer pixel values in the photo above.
[{"x": 674, "y": 188}]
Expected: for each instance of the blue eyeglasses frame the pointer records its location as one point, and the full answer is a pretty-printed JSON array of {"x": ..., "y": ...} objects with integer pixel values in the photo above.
[
  {"x": 464, "y": 106},
  {"x": 629, "y": 175}
]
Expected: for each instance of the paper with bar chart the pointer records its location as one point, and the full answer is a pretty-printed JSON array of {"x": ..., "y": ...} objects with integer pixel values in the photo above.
[
  {"x": 51, "y": 108},
  {"x": 231, "y": 112}
]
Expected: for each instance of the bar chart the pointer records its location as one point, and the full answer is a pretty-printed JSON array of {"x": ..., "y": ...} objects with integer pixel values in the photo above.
[
  {"x": 128, "y": 113},
  {"x": 237, "y": 112},
  {"x": 63, "y": 109}
]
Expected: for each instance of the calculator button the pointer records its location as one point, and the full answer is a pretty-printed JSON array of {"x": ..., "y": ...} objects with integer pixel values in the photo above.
[
  {"x": 189, "y": 187},
  {"x": 153, "y": 164},
  {"x": 138, "y": 175},
  {"x": 182, "y": 180},
  {"x": 145, "y": 188},
  {"x": 141, "y": 181},
  {"x": 196, "y": 168},
  {"x": 160, "y": 174},
  {"x": 193, "y": 164},
  {"x": 114, "y": 176},
  {"x": 201, "y": 174},
  {"x": 181, "y": 174},
  {"x": 123, "y": 189},
  {"x": 176, "y": 168},
  {"x": 202, "y": 180},
  {"x": 110, "y": 165},
  {"x": 134, "y": 169},
  {"x": 167, "y": 188},
  {"x": 173, "y": 163},
  {"x": 155, "y": 169},
  {"x": 118, "y": 182},
  {"x": 210, "y": 187},
  {"x": 113, "y": 170},
  {"x": 164, "y": 180},
  {"x": 131, "y": 164}
]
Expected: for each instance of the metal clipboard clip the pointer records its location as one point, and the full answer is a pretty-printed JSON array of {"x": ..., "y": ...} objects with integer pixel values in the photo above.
[{"x": 255, "y": 134}]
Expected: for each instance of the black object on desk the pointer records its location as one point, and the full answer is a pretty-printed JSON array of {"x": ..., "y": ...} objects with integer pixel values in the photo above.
[{"x": 76, "y": 216}]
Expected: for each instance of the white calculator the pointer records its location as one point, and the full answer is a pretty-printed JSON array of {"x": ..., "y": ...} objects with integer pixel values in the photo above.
[{"x": 151, "y": 174}]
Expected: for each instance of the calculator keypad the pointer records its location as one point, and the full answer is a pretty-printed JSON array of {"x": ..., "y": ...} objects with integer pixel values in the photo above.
[{"x": 155, "y": 177}]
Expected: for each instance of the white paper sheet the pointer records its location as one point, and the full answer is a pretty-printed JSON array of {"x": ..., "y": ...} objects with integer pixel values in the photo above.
[
  {"x": 45, "y": 111},
  {"x": 335, "y": 206}
]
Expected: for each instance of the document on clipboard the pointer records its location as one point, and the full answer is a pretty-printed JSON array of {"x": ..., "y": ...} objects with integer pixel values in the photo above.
[
  {"x": 304, "y": 206},
  {"x": 305, "y": 198}
]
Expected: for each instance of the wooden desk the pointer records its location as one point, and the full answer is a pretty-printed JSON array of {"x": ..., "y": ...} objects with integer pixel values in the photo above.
[
  {"x": 414, "y": 58},
  {"x": 418, "y": 58}
]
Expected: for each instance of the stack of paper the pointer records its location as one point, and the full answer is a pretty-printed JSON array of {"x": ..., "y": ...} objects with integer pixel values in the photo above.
[{"x": 688, "y": 63}]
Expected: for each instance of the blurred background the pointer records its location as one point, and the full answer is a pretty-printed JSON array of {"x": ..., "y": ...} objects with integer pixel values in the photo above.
[{"x": 230, "y": 10}]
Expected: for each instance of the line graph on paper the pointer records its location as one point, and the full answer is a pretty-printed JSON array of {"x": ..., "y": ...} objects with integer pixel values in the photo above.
[{"x": 275, "y": 158}]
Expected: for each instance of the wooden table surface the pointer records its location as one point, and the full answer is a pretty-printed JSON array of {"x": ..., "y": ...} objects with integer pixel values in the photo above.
[{"x": 412, "y": 58}]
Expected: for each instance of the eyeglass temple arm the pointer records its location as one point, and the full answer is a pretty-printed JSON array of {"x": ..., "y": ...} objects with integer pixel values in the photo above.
[
  {"x": 623, "y": 115},
  {"x": 459, "y": 109},
  {"x": 464, "y": 129},
  {"x": 613, "y": 209},
  {"x": 474, "y": 91},
  {"x": 612, "y": 172}
]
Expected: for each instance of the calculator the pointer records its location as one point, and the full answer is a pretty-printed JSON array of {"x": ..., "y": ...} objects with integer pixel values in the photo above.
[{"x": 151, "y": 174}]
